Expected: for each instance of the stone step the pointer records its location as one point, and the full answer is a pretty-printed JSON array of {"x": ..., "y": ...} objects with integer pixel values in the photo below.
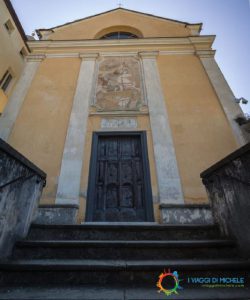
[
  {"x": 122, "y": 232},
  {"x": 92, "y": 292},
  {"x": 110, "y": 272},
  {"x": 91, "y": 249}
]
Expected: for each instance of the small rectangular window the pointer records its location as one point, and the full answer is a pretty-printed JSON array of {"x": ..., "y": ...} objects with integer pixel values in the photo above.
[
  {"x": 6, "y": 80},
  {"x": 9, "y": 26},
  {"x": 23, "y": 52},
  {"x": 4, "y": 76}
]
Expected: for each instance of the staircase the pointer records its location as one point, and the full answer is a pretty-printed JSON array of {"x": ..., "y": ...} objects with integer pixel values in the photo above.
[{"x": 98, "y": 261}]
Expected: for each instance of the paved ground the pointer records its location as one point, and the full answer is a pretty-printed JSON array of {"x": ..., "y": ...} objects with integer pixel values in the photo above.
[{"x": 118, "y": 293}]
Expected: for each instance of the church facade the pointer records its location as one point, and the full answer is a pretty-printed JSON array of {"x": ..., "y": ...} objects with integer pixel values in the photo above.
[{"x": 123, "y": 111}]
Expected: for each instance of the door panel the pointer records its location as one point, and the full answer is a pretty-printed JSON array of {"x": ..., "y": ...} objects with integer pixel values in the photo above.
[{"x": 118, "y": 188}]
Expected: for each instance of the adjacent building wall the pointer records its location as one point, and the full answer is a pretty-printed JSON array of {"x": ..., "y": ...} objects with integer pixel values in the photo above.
[{"x": 12, "y": 42}]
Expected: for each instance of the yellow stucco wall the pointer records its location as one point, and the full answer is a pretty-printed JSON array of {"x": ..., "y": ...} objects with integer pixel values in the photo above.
[
  {"x": 90, "y": 28},
  {"x": 40, "y": 129},
  {"x": 10, "y": 58},
  {"x": 200, "y": 129}
]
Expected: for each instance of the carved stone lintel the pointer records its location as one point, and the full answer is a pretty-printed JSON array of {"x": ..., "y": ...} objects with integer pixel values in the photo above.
[{"x": 115, "y": 123}]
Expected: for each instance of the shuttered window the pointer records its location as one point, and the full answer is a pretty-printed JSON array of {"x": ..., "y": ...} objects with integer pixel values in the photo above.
[{"x": 6, "y": 80}]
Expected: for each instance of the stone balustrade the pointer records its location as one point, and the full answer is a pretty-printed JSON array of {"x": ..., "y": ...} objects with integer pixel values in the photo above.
[
  {"x": 21, "y": 185},
  {"x": 228, "y": 186}
]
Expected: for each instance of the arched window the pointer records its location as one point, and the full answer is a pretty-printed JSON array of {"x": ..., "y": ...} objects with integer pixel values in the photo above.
[{"x": 119, "y": 35}]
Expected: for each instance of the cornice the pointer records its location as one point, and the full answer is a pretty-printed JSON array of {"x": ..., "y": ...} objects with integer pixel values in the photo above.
[
  {"x": 175, "y": 41},
  {"x": 205, "y": 53},
  {"x": 195, "y": 28},
  {"x": 148, "y": 54},
  {"x": 120, "y": 53},
  {"x": 202, "y": 38},
  {"x": 143, "y": 54},
  {"x": 177, "y": 52},
  {"x": 119, "y": 113},
  {"x": 88, "y": 56},
  {"x": 35, "y": 57}
]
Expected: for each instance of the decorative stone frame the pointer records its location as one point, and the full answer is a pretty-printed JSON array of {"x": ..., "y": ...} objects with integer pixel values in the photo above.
[{"x": 100, "y": 59}]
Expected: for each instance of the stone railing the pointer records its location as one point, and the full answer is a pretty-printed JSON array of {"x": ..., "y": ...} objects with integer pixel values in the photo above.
[
  {"x": 228, "y": 186},
  {"x": 21, "y": 185}
]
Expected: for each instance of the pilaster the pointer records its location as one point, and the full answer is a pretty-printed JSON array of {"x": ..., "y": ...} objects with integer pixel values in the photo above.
[
  {"x": 15, "y": 102},
  {"x": 225, "y": 95},
  {"x": 169, "y": 184},
  {"x": 72, "y": 161}
]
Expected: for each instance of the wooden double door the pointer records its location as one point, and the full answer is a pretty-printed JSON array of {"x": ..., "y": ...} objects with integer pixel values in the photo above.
[{"x": 119, "y": 187}]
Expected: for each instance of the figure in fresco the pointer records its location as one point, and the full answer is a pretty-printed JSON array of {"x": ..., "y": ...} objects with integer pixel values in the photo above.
[{"x": 119, "y": 84}]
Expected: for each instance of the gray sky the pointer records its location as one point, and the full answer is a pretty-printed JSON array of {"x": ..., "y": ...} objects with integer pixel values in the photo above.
[{"x": 228, "y": 19}]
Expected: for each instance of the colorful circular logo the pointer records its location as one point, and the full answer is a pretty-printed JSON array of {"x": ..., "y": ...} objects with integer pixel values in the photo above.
[{"x": 169, "y": 283}]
